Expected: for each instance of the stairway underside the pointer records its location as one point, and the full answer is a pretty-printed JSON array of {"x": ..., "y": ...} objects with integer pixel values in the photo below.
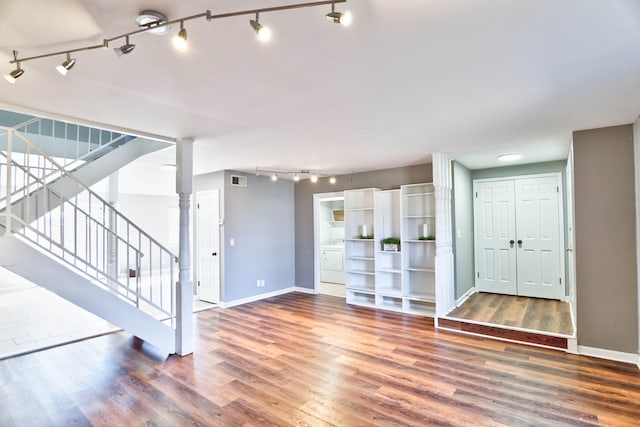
[{"x": 23, "y": 259}]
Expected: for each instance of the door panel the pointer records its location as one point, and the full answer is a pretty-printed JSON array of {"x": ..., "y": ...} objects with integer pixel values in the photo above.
[
  {"x": 538, "y": 230},
  {"x": 208, "y": 245},
  {"x": 495, "y": 219}
]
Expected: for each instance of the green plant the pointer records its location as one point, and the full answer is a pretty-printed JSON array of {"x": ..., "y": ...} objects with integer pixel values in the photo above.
[
  {"x": 362, "y": 236},
  {"x": 391, "y": 241},
  {"x": 427, "y": 238}
]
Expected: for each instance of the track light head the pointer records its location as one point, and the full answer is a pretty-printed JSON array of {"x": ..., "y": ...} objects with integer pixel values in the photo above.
[
  {"x": 341, "y": 18},
  {"x": 263, "y": 33},
  {"x": 66, "y": 65},
  {"x": 314, "y": 178},
  {"x": 296, "y": 177},
  {"x": 332, "y": 180},
  {"x": 12, "y": 76},
  {"x": 180, "y": 39},
  {"x": 125, "y": 49},
  {"x": 274, "y": 177}
]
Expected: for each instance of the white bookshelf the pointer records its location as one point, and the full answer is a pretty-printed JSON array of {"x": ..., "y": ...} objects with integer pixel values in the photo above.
[
  {"x": 418, "y": 241},
  {"x": 402, "y": 280},
  {"x": 360, "y": 257}
]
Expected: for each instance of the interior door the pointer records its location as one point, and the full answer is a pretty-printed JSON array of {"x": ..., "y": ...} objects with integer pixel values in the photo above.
[
  {"x": 495, "y": 231},
  {"x": 538, "y": 237},
  {"x": 208, "y": 244}
]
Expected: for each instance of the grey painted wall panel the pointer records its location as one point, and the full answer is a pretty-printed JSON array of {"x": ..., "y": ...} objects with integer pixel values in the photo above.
[
  {"x": 463, "y": 229},
  {"x": 260, "y": 218},
  {"x": 304, "y": 190},
  {"x": 606, "y": 270}
]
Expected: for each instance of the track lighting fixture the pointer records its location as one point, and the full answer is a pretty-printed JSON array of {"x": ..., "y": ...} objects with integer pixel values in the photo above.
[
  {"x": 339, "y": 17},
  {"x": 180, "y": 39},
  {"x": 12, "y": 76},
  {"x": 332, "y": 180},
  {"x": 296, "y": 177},
  {"x": 263, "y": 33},
  {"x": 274, "y": 177},
  {"x": 126, "y": 48},
  {"x": 66, "y": 65},
  {"x": 314, "y": 178},
  {"x": 157, "y": 23},
  {"x": 276, "y": 174}
]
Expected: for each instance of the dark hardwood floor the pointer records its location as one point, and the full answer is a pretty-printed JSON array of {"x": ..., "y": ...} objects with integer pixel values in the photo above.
[
  {"x": 310, "y": 360},
  {"x": 538, "y": 314}
]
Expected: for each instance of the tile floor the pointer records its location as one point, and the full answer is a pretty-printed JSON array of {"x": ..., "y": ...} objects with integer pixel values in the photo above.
[
  {"x": 334, "y": 289},
  {"x": 32, "y": 318}
]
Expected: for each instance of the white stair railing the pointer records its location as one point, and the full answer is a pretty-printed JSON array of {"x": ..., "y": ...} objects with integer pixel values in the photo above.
[{"x": 80, "y": 228}]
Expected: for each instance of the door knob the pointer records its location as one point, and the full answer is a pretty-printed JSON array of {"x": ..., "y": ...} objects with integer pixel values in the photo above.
[
  {"x": 214, "y": 254},
  {"x": 520, "y": 242},
  {"x": 511, "y": 242},
  {"x": 569, "y": 250}
]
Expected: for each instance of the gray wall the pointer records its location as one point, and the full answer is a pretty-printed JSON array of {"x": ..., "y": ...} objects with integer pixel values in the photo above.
[
  {"x": 605, "y": 252},
  {"x": 304, "y": 190},
  {"x": 463, "y": 229}
]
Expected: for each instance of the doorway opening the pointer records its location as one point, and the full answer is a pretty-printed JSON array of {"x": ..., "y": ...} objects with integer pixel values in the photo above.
[
  {"x": 328, "y": 219},
  {"x": 514, "y": 237}
]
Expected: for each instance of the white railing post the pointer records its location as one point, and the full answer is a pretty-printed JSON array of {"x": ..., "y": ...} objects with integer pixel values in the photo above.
[
  {"x": 8, "y": 208},
  {"x": 112, "y": 244},
  {"x": 184, "y": 287}
]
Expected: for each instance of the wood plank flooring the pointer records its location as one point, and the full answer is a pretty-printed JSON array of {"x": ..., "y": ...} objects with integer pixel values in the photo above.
[
  {"x": 300, "y": 359},
  {"x": 529, "y": 313}
]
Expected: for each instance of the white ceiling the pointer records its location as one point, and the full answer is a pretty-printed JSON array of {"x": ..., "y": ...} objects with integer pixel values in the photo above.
[{"x": 471, "y": 78}]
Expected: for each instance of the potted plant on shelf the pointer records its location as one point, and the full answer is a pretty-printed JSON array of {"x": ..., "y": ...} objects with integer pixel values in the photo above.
[
  {"x": 391, "y": 244},
  {"x": 427, "y": 238}
]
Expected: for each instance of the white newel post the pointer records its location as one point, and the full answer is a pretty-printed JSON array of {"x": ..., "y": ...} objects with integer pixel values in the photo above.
[
  {"x": 184, "y": 286},
  {"x": 443, "y": 184}
]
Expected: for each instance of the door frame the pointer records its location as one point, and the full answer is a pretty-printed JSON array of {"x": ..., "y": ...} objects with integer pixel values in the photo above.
[
  {"x": 562, "y": 234},
  {"x": 317, "y": 252},
  {"x": 196, "y": 243}
]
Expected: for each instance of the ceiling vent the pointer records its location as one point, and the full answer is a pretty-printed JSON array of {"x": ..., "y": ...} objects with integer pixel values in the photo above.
[{"x": 238, "y": 181}]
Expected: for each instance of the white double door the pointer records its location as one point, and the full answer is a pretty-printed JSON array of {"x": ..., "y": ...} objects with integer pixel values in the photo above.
[{"x": 519, "y": 236}]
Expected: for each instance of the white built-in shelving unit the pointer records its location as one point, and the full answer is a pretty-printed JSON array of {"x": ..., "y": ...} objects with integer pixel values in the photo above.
[
  {"x": 402, "y": 280},
  {"x": 359, "y": 246}
]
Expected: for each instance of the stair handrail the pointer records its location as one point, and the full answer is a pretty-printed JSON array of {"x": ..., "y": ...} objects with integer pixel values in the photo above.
[
  {"x": 26, "y": 127},
  {"x": 106, "y": 205}
]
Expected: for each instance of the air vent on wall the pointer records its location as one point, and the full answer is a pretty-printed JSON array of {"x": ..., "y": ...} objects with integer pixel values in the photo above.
[{"x": 238, "y": 181}]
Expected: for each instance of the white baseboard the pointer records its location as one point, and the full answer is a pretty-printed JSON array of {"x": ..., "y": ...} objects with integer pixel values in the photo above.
[
  {"x": 305, "y": 290},
  {"x": 572, "y": 346},
  {"x": 602, "y": 353},
  {"x": 465, "y": 296},
  {"x": 258, "y": 297}
]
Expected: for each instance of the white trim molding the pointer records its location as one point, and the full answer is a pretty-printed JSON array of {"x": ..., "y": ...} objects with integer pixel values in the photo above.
[
  {"x": 636, "y": 155},
  {"x": 443, "y": 185},
  {"x": 305, "y": 290},
  {"x": 602, "y": 353},
  {"x": 465, "y": 296},
  {"x": 258, "y": 297}
]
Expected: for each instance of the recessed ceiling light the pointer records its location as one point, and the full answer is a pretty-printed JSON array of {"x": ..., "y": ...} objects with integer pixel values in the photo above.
[
  {"x": 509, "y": 157},
  {"x": 151, "y": 19}
]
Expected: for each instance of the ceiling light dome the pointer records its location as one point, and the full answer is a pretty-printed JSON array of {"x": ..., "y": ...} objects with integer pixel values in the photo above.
[{"x": 153, "y": 21}]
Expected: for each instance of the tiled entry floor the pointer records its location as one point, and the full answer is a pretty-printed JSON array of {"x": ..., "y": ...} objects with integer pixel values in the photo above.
[
  {"x": 333, "y": 289},
  {"x": 33, "y": 318}
]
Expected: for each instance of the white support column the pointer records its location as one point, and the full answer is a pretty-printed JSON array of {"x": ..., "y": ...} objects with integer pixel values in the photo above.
[
  {"x": 184, "y": 286},
  {"x": 113, "y": 198},
  {"x": 443, "y": 184},
  {"x": 636, "y": 150}
]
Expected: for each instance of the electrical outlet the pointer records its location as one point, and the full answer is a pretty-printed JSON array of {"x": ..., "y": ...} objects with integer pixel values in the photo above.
[
  {"x": 263, "y": 283},
  {"x": 258, "y": 283}
]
